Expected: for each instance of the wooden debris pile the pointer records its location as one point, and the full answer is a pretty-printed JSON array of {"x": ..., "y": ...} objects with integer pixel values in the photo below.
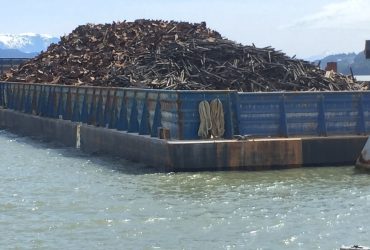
[{"x": 171, "y": 55}]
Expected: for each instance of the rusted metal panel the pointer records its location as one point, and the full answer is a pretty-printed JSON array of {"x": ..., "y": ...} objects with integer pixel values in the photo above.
[
  {"x": 279, "y": 152},
  {"x": 332, "y": 66},
  {"x": 169, "y": 115}
]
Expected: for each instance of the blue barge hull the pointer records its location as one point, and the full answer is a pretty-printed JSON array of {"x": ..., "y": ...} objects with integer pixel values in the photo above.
[{"x": 284, "y": 129}]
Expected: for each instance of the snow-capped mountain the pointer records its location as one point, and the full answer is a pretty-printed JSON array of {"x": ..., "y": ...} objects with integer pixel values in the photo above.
[{"x": 27, "y": 42}]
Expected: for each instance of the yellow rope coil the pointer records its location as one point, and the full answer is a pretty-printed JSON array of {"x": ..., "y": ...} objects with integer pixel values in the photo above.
[
  {"x": 217, "y": 118},
  {"x": 205, "y": 120},
  {"x": 212, "y": 120}
]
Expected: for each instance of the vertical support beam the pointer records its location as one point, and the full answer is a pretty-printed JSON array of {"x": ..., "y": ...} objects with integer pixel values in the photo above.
[
  {"x": 40, "y": 99},
  {"x": 361, "y": 124},
  {"x": 84, "y": 111},
  {"x": 99, "y": 111},
  {"x": 157, "y": 120},
  {"x": 322, "y": 131},
  {"x": 229, "y": 124},
  {"x": 50, "y": 103},
  {"x": 76, "y": 107},
  {"x": 22, "y": 100},
  {"x": 45, "y": 106},
  {"x": 68, "y": 106},
  {"x": 16, "y": 97},
  {"x": 144, "y": 127},
  {"x": 1, "y": 94},
  {"x": 283, "y": 120},
  {"x": 92, "y": 112},
  {"x": 55, "y": 103},
  {"x": 113, "y": 115},
  {"x": 122, "y": 123},
  {"x": 60, "y": 111},
  {"x": 28, "y": 102},
  {"x": 34, "y": 101},
  {"x": 133, "y": 126},
  {"x": 107, "y": 109}
]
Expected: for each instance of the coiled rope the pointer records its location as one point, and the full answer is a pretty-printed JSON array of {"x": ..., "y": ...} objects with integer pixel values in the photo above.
[
  {"x": 205, "y": 120},
  {"x": 212, "y": 122},
  {"x": 217, "y": 118}
]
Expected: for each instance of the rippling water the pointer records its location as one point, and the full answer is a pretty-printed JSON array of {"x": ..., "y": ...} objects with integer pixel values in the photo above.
[{"x": 58, "y": 198}]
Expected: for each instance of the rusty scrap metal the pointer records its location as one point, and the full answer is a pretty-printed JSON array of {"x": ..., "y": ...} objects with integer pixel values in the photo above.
[{"x": 171, "y": 55}]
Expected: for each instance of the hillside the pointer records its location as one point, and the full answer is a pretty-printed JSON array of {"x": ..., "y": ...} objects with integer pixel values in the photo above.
[
  {"x": 14, "y": 53},
  {"x": 358, "y": 63}
]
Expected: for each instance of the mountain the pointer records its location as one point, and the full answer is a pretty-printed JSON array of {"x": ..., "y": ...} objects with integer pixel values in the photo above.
[
  {"x": 27, "y": 42},
  {"x": 14, "y": 53},
  {"x": 358, "y": 63}
]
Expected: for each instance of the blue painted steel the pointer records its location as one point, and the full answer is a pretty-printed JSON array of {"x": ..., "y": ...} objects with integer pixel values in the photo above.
[
  {"x": 188, "y": 121},
  {"x": 341, "y": 113},
  {"x": 283, "y": 127},
  {"x": 144, "y": 128},
  {"x": 122, "y": 123},
  {"x": 301, "y": 113},
  {"x": 133, "y": 126},
  {"x": 361, "y": 126},
  {"x": 60, "y": 110},
  {"x": 15, "y": 97},
  {"x": 40, "y": 104},
  {"x": 2, "y": 95},
  {"x": 50, "y": 103},
  {"x": 67, "y": 115},
  {"x": 113, "y": 114},
  {"x": 84, "y": 111},
  {"x": 259, "y": 114},
  {"x": 92, "y": 112},
  {"x": 28, "y": 102},
  {"x": 156, "y": 119},
  {"x": 9, "y": 99},
  {"x": 45, "y": 106},
  {"x": 76, "y": 107},
  {"x": 107, "y": 108},
  {"x": 99, "y": 111},
  {"x": 366, "y": 109}
]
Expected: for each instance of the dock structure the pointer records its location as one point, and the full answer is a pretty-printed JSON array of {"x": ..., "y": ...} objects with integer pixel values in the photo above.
[{"x": 262, "y": 130}]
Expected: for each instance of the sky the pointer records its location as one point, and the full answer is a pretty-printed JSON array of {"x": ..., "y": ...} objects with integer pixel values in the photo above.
[{"x": 305, "y": 28}]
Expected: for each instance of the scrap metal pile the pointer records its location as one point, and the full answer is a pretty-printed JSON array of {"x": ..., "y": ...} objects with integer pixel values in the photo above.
[{"x": 171, "y": 55}]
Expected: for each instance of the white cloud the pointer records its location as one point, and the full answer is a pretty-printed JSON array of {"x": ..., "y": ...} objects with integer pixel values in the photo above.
[{"x": 351, "y": 14}]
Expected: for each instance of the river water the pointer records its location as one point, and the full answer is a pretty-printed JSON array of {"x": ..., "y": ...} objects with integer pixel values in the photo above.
[{"x": 59, "y": 198}]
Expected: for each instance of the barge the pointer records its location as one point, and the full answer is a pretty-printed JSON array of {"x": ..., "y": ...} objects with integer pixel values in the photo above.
[{"x": 261, "y": 130}]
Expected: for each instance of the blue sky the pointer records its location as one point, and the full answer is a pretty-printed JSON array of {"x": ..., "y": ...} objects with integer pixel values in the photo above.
[{"x": 304, "y": 28}]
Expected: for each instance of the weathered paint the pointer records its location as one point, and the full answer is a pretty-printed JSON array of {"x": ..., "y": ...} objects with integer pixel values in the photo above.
[{"x": 190, "y": 155}]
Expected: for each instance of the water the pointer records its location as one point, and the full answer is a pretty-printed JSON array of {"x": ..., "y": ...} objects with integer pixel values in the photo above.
[{"x": 59, "y": 198}]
